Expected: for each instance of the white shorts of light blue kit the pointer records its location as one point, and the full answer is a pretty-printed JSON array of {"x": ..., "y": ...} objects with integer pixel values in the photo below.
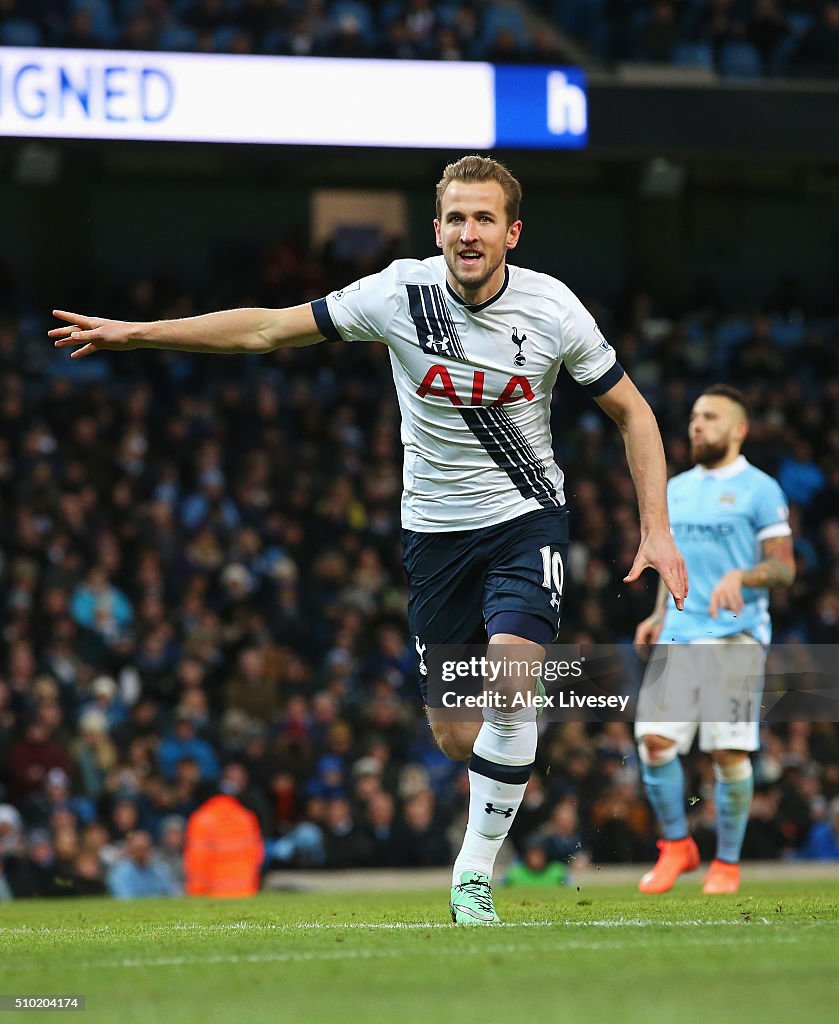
[{"x": 714, "y": 685}]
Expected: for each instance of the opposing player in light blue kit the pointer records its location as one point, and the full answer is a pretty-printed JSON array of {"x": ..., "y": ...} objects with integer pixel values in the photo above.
[
  {"x": 475, "y": 349},
  {"x": 730, "y": 520}
]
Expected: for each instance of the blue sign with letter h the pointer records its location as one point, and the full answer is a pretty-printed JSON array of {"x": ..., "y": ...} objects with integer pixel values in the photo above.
[{"x": 540, "y": 108}]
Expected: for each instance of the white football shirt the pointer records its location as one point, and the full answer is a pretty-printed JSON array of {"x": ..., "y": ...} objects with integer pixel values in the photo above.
[{"x": 474, "y": 385}]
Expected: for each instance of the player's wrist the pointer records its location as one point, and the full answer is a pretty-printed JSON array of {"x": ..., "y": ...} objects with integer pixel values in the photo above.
[
  {"x": 654, "y": 528},
  {"x": 149, "y": 335}
]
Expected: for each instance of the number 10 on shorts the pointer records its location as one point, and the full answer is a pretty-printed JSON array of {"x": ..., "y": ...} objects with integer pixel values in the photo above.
[{"x": 554, "y": 571}]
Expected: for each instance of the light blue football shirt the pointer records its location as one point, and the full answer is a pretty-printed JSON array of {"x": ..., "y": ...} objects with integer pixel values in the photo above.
[{"x": 719, "y": 518}]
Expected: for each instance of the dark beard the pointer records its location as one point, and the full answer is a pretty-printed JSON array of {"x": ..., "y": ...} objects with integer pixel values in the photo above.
[{"x": 708, "y": 455}]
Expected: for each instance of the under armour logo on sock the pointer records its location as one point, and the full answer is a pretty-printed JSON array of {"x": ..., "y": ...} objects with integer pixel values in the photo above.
[{"x": 492, "y": 809}]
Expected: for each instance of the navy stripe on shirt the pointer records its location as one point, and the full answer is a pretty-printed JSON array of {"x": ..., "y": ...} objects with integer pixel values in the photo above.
[{"x": 502, "y": 441}]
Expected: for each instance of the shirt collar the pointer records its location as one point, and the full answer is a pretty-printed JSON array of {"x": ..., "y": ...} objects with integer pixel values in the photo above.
[
  {"x": 476, "y": 307},
  {"x": 724, "y": 472}
]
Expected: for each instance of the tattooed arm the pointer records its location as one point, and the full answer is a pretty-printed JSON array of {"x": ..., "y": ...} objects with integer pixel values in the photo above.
[{"x": 776, "y": 569}]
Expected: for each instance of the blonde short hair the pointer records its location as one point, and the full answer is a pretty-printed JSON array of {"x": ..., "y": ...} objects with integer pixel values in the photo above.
[{"x": 482, "y": 168}]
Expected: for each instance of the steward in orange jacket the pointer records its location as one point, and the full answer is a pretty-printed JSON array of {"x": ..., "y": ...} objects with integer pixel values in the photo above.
[{"x": 224, "y": 851}]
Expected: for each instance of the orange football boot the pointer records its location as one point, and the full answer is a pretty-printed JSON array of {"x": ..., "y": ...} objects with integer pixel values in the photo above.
[
  {"x": 676, "y": 857},
  {"x": 723, "y": 878}
]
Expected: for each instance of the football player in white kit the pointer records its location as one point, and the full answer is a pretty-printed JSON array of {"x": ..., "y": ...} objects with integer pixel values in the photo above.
[{"x": 475, "y": 347}]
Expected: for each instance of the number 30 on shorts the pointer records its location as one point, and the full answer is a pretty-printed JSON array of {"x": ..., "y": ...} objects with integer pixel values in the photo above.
[{"x": 554, "y": 570}]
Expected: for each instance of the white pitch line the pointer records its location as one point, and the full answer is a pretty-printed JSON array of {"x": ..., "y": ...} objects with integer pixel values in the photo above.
[
  {"x": 255, "y": 926},
  {"x": 389, "y": 954}
]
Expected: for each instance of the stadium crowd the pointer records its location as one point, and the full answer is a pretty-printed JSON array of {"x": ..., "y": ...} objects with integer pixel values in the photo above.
[
  {"x": 737, "y": 38},
  {"x": 202, "y": 592},
  {"x": 407, "y": 29}
]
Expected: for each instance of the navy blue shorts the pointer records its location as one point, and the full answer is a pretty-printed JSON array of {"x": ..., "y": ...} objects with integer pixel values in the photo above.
[{"x": 468, "y": 585}]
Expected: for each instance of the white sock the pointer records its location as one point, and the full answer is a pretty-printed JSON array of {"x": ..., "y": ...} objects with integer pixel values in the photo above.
[{"x": 501, "y": 762}]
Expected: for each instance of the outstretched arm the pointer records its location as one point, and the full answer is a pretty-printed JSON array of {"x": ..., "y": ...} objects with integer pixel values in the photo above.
[
  {"x": 225, "y": 333},
  {"x": 645, "y": 455}
]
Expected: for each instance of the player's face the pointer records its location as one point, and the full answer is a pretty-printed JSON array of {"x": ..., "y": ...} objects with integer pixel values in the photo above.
[
  {"x": 474, "y": 235},
  {"x": 716, "y": 430}
]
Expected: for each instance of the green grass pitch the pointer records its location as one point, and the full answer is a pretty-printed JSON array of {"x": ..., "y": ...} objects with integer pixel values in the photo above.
[{"x": 600, "y": 954}]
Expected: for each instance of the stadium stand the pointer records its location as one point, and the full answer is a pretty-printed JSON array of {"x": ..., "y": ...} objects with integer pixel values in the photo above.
[
  {"x": 735, "y": 39},
  {"x": 741, "y": 39},
  {"x": 201, "y": 570},
  {"x": 473, "y": 29}
]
